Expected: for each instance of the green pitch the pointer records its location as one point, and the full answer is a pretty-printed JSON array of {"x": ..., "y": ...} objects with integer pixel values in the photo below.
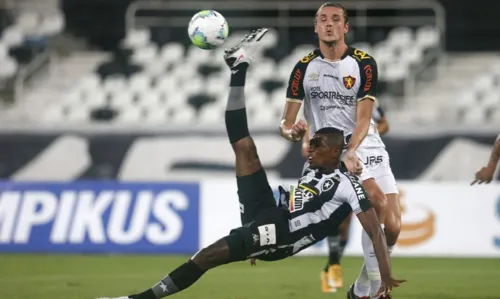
[{"x": 87, "y": 277}]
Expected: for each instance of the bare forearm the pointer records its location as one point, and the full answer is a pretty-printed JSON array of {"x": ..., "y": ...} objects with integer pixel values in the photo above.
[
  {"x": 495, "y": 155},
  {"x": 381, "y": 251},
  {"x": 359, "y": 134},
  {"x": 383, "y": 127}
]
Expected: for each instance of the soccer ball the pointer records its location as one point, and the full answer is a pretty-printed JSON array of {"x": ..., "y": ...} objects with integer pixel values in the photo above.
[{"x": 208, "y": 29}]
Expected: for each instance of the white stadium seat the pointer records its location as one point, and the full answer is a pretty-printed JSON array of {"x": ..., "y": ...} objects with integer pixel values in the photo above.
[
  {"x": 8, "y": 67},
  {"x": 28, "y": 22},
  {"x": 93, "y": 98},
  {"x": 400, "y": 37},
  {"x": 139, "y": 82},
  {"x": 158, "y": 115},
  {"x": 183, "y": 115},
  {"x": 114, "y": 84},
  {"x": 51, "y": 25},
  {"x": 129, "y": 114},
  {"x": 427, "y": 37},
  {"x": 172, "y": 52},
  {"x": 211, "y": 114},
  {"x": 137, "y": 38},
  {"x": 89, "y": 82},
  {"x": 144, "y": 54},
  {"x": 474, "y": 115},
  {"x": 12, "y": 36},
  {"x": 120, "y": 98},
  {"x": 3, "y": 52},
  {"x": 483, "y": 83}
]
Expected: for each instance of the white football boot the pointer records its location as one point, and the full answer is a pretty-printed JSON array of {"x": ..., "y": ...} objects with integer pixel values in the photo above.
[{"x": 242, "y": 53}]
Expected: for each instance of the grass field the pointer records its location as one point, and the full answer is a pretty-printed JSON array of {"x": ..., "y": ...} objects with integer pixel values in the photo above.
[{"x": 79, "y": 277}]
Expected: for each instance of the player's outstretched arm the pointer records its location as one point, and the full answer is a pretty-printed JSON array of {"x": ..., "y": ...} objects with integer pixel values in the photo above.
[
  {"x": 371, "y": 225},
  {"x": 288, "y": 128},
  {"x": 485, "y": 174}
]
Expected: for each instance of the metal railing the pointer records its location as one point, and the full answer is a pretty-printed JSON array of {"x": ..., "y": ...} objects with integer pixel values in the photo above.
[{"x": 361, "y": 20}]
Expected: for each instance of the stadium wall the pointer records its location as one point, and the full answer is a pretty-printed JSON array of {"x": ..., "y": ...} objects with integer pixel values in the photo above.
[{"x": 439, "y": 219}]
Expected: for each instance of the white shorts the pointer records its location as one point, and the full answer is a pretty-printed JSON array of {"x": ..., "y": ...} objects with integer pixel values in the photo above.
[{"x": 376, "y": 165}]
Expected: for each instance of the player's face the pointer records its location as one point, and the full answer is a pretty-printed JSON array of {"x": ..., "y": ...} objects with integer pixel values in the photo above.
[
  {"x": 331, "y": 25},
  {"x": 320, "y": 153}
]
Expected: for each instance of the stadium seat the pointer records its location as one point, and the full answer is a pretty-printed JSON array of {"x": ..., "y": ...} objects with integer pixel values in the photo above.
[
  {"x": 28, "y": 22},
  {"x": 474, "y": 115},
  {"x": 139, "y": 83},
  {"x": 211, "y": 114},
  {"x": 3, "y": 52},
  {"x": 114, "y": 84},
  {"x": 265, "y": 118},
  {"x": 413, "y": 55},
  {"x": 427, "y": 37},
  {"x": 130, "y": 114},
  {"x": 171, "y": 52},
  {"x": 483, "y": 83},
  {"x": 151, "y": 99},
  {"x": 137, "y": 38},
  {"x": 12, "y": 37},
  {"x": 93, "y": 98},
  {"x": 400, "y": 37},
  {"x": 166, "y": 84},
  {"x": 8, "y": 69},
  {"x": 259, "y": 101},
  {"x": 79, "y": 114},
  {"x": 51, "y": 25},
  {"x": 89, "y": 82},
  {"x": 491, "y": 99},
  {"x": 145, "y": 54},
  {"x": 183, "y": 115},
  {"x": 158, "y": 115},
  {"x": 155, "y": 68}
]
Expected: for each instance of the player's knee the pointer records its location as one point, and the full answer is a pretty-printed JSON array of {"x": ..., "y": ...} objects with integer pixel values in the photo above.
[
  {"x": 392, "y": 226},
  {"x": 245, "y": 149}
]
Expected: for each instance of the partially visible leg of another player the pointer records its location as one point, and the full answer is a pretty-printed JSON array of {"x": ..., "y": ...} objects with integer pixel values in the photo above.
[
  {"x": 331, "y": 276},
  {"x": 232, "y": 247},
  {"x": 368, "y": 283}
]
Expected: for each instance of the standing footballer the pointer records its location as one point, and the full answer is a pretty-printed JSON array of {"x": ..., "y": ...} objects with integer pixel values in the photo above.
[{"x": 337, "y": 84}]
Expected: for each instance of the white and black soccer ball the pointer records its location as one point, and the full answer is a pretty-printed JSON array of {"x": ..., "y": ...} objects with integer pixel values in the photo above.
[{"x": 208, "y": 29}]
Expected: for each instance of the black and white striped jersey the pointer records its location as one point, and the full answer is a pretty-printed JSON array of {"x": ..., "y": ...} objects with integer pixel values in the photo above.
[{"x": 321, "y": 201}]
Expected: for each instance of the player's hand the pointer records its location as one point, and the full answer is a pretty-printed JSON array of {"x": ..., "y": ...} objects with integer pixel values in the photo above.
[
  {"x": 388, "y": 282},
  {"x": 253, "y": 262},
  {"x": 352, "y": 163},
  {"x": 298, "y": 130},
  {"x": 484, "y": 175}
]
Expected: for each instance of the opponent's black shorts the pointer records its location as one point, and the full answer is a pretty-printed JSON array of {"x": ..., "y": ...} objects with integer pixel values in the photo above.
[
  {"x": 267, "y": 237},
  {"x": 255, "y": 195}
]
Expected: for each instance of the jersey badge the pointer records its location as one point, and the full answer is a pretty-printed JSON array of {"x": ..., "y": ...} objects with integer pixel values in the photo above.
[
  {"x": 327, "y": 185},
  {"x": 349, "y": 82},
  {"x": 313, "y": 76}
]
